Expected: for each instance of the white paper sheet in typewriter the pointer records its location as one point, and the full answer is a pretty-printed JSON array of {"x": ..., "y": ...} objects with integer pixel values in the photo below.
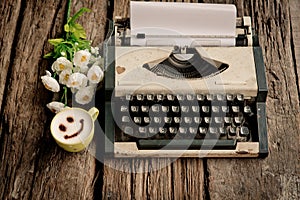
[{"x": 182, "y": 23}]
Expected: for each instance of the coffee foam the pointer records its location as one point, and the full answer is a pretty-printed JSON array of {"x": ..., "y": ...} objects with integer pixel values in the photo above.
[{"x": 71, "y": 126}]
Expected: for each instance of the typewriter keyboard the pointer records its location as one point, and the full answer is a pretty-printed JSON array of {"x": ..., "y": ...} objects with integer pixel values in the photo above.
[{"x": 195, "y": 116}]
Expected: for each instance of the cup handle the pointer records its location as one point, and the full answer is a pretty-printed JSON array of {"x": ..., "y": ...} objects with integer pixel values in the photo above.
[{"x": 94, "y": 113}]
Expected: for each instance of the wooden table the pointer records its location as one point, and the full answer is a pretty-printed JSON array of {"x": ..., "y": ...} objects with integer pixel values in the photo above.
[{"x": 33, "y": 167}]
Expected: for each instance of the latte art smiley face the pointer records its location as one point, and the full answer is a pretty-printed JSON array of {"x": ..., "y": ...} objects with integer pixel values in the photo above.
[
  {"x": 63, "y": 128},
  {"x": 71, "y": 126}
]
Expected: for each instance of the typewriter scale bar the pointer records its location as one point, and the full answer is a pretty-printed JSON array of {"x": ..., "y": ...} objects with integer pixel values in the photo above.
[{"x": 243, "y": 149}]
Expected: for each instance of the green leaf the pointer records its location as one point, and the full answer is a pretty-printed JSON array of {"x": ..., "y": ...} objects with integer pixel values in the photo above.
[
  {"x": 55, "y": 42},
  {"x": 79, "y": 31},
  {"x": 67, "y": 28},
  {"x": 48, "y": 55},
  {"x": 78, "y": 14}
]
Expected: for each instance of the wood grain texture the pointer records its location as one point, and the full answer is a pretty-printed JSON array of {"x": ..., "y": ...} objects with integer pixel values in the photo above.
[
  {"x": 277, "y": 176},
  {"x": 9, "y": 13},
  {"x": 122, "y": 7},
  {"x": 32, "y": 166},
  {"x": 295, "y": 25}
]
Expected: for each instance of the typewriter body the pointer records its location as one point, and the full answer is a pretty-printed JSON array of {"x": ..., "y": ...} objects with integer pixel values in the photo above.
[{"x": 171, "y": 94}]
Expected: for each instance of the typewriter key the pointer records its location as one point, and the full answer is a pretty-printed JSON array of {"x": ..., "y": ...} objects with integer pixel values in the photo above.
[
  {"x": 165, "y": 108},
  {"x": 125, "y": 119},
  {"x": 180, "y": 97},
  {"x": 188, "y": 120},
  {"x": 213, "y": 130},
  {"x": 160, "y": 97},
  {"x": 200, "y": 97},
  {"x": 190, "y": 97},
  {"x": 240, "y": 97},
  {"x": 210, "y": 97},
  {"x": 134, "y": 108},
  {"x": 229, "y": 97},
  {"x": 222, "y": 131},
  {"x": 172, "y": 130},
  {"x": 219, "y": 120},
  {"x": 182, "y": 130},
  {"x": 124, "y": 108},
  {"x": 157, "y": 120},
  {"x": 232, "y": 131},
  {"x": 247, "y": 109},
  {"x": 235, "y": 109},
  {"x": 215, "y": 109},
  {"x": 137, "y": 120},
  {"x": 139, "y": 97},
  {"x": 207, "y": 120},
  {"x": 205, "y": 109},
  {"x": 168, "y": 120},
  {"x": 197, "y": 120},
  {"x": 155, "y": 108},
  {"x": 185, "y": 109},
  {"x": 195, "y": 109},
  {"x": 228, "y": 120},
  {"x": 170, "y": 97},
  {"x": 193, "y": 130},
  {"x": 220, "y": 97},
  {"x": 202, "y": 130},
  {"x": 147, "y": 120},
  {"x": 128, "y": 130},
  {"x": 145, "y": 108},
  {"x": 238, "y": 119},
  {"x": 175, "y": 109},
  {"x": 129, "y": 97},
  {"x": 142, "y": 130},
  {"x": 162, "y": 130},
  {"x": 225, "y": 109},
  {"x": 152, "y": 130},
  {"x": 150, "y": 97},
  {"x": 244, "y": 131},
  {"x": 177, "y": 120}
]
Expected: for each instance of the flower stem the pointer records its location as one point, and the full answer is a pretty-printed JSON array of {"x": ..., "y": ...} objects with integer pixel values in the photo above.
[
  {"x": 66, "y": 95},
  {"x": 68, "y": 10}
]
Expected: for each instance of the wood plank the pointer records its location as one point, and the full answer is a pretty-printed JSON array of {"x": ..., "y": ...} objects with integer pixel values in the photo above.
[
  {"x": 188, "y": 179},
  {"x": 122, "y": 7},
  {"x": 9, "y": 20},
  {"x": 32, "y": 165},
  {"x": 277, "y": 176},
  {"x": 295, "y": 24}
]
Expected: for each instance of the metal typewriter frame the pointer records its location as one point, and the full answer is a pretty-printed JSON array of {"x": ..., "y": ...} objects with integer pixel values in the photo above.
[{"x": 243, "y": 149}]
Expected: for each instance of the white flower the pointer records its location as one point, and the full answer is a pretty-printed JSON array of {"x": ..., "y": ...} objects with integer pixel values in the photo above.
[
  {"x": 95, "y": 50},
  {"x": 55, "y": 106},
  {"x": 84, "y": 69},
  {"x": 50, "y": 83},
  {"x": 81, "y": 58},
  {"x": 61, "y": 64},
  {"x": 84, "y": 95},
  {"x": 77, "y": 80},
  {"x": 95, "y": 74},
  {"x": 64, "y": 76}
]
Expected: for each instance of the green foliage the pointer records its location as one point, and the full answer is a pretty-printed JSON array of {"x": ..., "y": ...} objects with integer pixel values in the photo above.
[{"x": 74, "y": 40}]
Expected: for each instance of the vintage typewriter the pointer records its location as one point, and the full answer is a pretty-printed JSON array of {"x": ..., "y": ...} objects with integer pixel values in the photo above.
[{"x": 191, "y": 93}]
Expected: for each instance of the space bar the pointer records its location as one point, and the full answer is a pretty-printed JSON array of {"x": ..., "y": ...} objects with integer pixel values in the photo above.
[{"x": 186, "y": 144}]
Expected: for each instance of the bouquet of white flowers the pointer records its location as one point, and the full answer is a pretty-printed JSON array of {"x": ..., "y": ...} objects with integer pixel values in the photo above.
[{"x": 78, "y": 66}]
